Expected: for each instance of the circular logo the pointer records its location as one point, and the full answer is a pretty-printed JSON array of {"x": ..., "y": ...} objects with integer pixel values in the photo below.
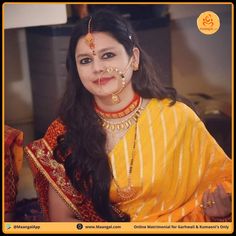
[
  {"x": 208, "y": 22},
  {"x": 79, "y": 226}
]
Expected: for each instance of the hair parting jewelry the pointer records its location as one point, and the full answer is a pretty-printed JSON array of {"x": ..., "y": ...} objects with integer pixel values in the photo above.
[{"x": 89, "y": 37}]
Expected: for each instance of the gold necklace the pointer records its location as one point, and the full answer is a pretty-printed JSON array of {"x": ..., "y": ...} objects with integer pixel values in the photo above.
[
  {"x": 121, "y": 113},
  {"x": 129, "y": 192},
  {"x": 124, "y": 124}
]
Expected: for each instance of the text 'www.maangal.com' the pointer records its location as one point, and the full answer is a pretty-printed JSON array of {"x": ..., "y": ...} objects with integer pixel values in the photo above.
[{"x": 102, "y": 227}]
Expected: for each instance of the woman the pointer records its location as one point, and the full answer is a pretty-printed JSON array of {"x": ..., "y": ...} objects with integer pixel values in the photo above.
[{"x": 124, "y": 148}]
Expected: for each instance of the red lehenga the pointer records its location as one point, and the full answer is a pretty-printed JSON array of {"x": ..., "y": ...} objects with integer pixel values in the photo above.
[{"x": 47, "y": 170}]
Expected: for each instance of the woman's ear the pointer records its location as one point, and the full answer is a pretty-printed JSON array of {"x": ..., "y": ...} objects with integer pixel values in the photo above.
[{"x": 136, "y": 56}]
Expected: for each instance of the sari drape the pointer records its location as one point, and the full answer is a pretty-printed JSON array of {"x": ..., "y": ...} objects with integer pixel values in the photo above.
[{"x": 176, "y": 160}]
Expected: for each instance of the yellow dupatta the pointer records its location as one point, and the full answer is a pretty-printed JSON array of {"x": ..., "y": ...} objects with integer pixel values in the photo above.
[{"x": 176, "y": 161}]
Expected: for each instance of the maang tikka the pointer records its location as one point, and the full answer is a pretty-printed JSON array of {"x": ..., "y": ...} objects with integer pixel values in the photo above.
[{"x": 89, "y": 37}]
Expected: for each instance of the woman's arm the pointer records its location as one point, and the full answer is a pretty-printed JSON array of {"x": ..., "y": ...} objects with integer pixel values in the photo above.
[{"x": 58, "y": 209}]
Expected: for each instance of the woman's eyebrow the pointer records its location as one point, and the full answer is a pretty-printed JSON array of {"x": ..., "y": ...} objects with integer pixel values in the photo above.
[
  {"x": 106, "y": 49},
  {"x": 100, "y": 51},
  {"x": 83, "y": 55}
]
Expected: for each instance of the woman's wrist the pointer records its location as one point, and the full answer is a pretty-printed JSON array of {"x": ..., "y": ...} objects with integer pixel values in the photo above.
[{"x": 222, "y": 219}]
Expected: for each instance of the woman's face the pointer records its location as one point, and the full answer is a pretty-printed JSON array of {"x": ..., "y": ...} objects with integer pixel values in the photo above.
[{"x": 109, "y": 53}]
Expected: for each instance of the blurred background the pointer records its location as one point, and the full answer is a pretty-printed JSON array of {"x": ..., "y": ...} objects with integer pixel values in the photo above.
[{"x": 36, "y": 38}]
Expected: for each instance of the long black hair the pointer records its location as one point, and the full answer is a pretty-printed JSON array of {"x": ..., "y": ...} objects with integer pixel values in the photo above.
[{"x": 87, "y": 164}]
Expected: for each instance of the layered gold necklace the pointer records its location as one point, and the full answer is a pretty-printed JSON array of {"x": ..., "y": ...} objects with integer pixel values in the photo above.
[
  {"x": 123, "y": 124},
  {"x": 128, "y": 192},
  {"x": 121, "y": 113}
]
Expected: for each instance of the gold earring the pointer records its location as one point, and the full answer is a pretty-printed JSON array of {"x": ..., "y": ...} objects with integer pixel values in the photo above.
[{"x": 135, "y": 66}]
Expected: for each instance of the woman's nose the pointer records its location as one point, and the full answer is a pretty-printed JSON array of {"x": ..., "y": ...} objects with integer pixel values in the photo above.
[{"x": 98, "y": 66}]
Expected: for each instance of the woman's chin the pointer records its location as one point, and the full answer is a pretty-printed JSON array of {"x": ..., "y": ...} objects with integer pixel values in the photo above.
[{"x": 105, "y": 91}]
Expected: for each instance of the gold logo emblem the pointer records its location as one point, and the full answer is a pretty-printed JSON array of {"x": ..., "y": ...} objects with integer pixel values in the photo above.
[{"x": 208, "y": 22}]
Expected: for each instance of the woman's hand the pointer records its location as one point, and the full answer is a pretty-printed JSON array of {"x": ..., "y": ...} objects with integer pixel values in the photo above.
[{"x": 217, "y": 204}]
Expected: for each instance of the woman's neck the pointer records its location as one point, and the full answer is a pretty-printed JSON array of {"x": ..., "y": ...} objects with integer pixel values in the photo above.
[{"x": 106, "y": 104}]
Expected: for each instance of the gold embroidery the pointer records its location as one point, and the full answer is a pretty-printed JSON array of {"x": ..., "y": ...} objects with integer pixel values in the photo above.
[
  {"x": 42, "y": 159},
  {"x": 40, "y": 153}
]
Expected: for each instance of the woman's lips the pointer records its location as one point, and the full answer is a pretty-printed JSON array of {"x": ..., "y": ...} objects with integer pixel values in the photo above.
[{"x": 103, "y": 80}]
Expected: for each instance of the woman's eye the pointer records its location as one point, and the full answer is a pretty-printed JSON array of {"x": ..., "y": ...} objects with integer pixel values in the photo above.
[
  {"x": 108, "y": 55},
  {"x": 85, "y": 61}
]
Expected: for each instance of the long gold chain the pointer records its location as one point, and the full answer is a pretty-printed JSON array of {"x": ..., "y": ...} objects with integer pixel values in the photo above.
[{"x": 128, "y": 192}]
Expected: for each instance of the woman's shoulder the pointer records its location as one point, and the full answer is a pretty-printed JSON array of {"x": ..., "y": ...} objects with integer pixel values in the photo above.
[
  {"x": 179, "y": 109},
  {"x": 55, "y": 129},
  {"x": 39, "y": 152}
]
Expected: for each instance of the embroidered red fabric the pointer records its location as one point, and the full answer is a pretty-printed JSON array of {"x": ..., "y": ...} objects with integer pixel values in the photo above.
[
  {"x": 47, "y": 170},
  {"x": 13, "y": 158}
]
